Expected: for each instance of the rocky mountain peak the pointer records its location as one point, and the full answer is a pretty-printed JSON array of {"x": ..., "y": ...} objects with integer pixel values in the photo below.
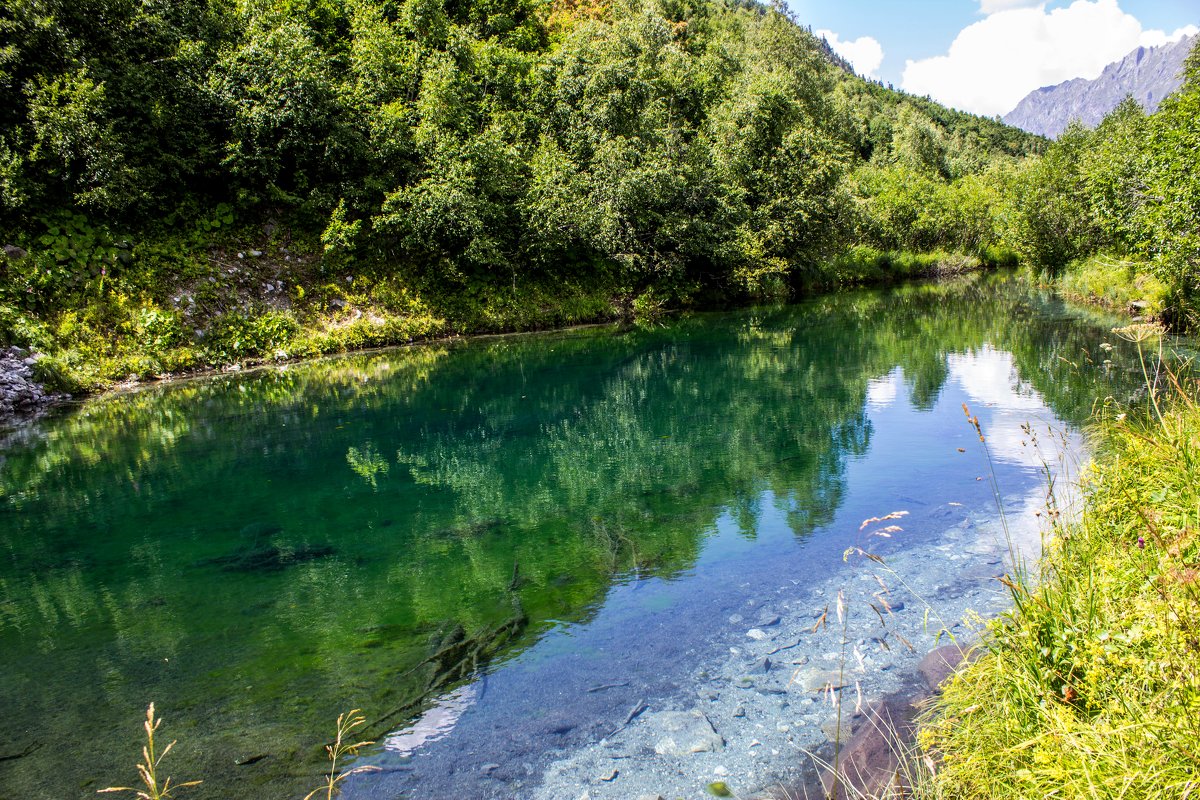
[{"x": 1147, "y": 73}]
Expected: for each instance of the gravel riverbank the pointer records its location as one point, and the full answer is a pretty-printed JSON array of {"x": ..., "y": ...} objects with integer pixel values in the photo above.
[{"x": 767, "y": 710}]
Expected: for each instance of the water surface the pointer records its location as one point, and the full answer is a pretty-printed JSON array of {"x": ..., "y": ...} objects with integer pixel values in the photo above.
[{"x": 502, "y": 523}]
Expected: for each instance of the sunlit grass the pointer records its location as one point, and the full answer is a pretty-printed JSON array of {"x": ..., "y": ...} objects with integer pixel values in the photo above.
[
  {"x": 1116, "y": 284},
  {"x": 1089, "y": 686},
  {"x": 154, "y": 786}
]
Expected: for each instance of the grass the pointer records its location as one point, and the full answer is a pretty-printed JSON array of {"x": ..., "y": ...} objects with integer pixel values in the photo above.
[
  {"x": 155, "y": 787},
  {"x": 1088, "y": 687},
  {"x": 867, "y": 265},
  {"x": 1114, "y": 284},
  {"x": 340, "y": 748}
]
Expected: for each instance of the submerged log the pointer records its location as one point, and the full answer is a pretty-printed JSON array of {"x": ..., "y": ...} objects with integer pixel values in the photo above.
[
  {"x": 14, "y": 756},
  {"x": 268, "y": 559},
  {"x": 458, "y": 657}
]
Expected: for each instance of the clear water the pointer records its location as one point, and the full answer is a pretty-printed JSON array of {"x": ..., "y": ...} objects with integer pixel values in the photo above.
[{"x": 257, "y": 553}]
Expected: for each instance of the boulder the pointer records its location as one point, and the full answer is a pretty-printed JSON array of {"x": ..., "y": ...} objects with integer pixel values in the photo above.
[
  {"x": 869, "y": 763},
  {"x": 11, "y": 251},
  {"x": 940, "y": 664}
]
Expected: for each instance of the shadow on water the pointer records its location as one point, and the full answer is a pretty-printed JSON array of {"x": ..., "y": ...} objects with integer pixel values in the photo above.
[{"x": 257, "y": 553}]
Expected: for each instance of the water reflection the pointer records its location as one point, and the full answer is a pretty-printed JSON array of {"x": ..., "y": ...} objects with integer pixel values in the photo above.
[{"x": 258, "y": 553}]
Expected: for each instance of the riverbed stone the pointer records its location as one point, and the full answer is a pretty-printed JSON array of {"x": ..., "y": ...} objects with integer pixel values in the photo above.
[
  {"x": 819, "y": 680},
  {"x": 760, "y": 667},
  {"x": 684, "y": 733},
  {"x": 869, "y": 763},
  {"x": 940, "y": 664}
]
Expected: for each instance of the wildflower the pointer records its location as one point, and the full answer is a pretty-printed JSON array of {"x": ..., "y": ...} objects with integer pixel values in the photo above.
[{"x": 1141, "y": 543}]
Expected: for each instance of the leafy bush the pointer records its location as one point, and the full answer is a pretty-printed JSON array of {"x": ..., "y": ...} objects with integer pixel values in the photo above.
[{"x": 236, "y": 335}]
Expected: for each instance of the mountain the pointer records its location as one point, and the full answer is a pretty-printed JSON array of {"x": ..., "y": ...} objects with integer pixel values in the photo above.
[{"x": 1148, "y": 73}]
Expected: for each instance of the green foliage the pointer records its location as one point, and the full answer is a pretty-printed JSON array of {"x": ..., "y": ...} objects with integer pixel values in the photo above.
[
  {"x": 287, "y": 131},
  {"x": 72, "y": 259},
  {"x": 1167, "y": 223},
  {"x": 690, "y": 152},
  {"x": 235, "y": 336},
  {"x": 1052, "y": 224}
]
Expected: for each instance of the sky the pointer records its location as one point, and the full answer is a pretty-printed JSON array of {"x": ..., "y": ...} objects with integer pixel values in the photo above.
[{"x": 984, "y": 56}]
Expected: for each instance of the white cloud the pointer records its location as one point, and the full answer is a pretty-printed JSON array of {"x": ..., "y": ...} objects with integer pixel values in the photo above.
[
  {"x": 995, "y": 62},
  {"x": 865, "y": 53},
  {"x": 1159, "y": 38},
  {"x": 992, "y": 6}
]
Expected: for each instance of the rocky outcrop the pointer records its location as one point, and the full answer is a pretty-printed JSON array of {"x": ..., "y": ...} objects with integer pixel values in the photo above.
[
  {"x": 21, "y": 395},
  {"x": 1149, "y": 74}
]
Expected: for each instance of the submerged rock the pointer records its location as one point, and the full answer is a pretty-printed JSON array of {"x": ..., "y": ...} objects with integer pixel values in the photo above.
[
  {"x": 940, "y": 664},
  {"x": 685, "y": 733},
  {"x": 869, "y": 763}
]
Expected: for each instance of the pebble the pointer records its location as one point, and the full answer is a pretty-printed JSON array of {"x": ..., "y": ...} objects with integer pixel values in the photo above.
[
  {"x": 757, "y": 634},
  {"x": 760, "y": 667}
]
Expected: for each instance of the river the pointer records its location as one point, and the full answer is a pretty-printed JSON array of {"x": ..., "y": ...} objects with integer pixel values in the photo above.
[{"x": 519, "y": 556}]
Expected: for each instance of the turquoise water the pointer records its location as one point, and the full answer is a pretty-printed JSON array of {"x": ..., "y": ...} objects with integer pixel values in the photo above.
[{"x": 257, "y": 553}]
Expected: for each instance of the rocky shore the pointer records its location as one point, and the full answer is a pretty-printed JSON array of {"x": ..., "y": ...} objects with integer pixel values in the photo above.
[{"x": 21, "y": 395}]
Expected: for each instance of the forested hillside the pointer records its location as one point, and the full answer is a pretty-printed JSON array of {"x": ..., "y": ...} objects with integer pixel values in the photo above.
[{"x": 195, "y": 183}]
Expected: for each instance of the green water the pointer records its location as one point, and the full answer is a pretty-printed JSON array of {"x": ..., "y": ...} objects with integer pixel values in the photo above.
[{"x": 257, "y": 553}]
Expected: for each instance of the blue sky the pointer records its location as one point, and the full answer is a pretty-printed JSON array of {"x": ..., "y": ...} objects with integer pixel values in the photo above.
[{"x": 985, "y": 55}]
